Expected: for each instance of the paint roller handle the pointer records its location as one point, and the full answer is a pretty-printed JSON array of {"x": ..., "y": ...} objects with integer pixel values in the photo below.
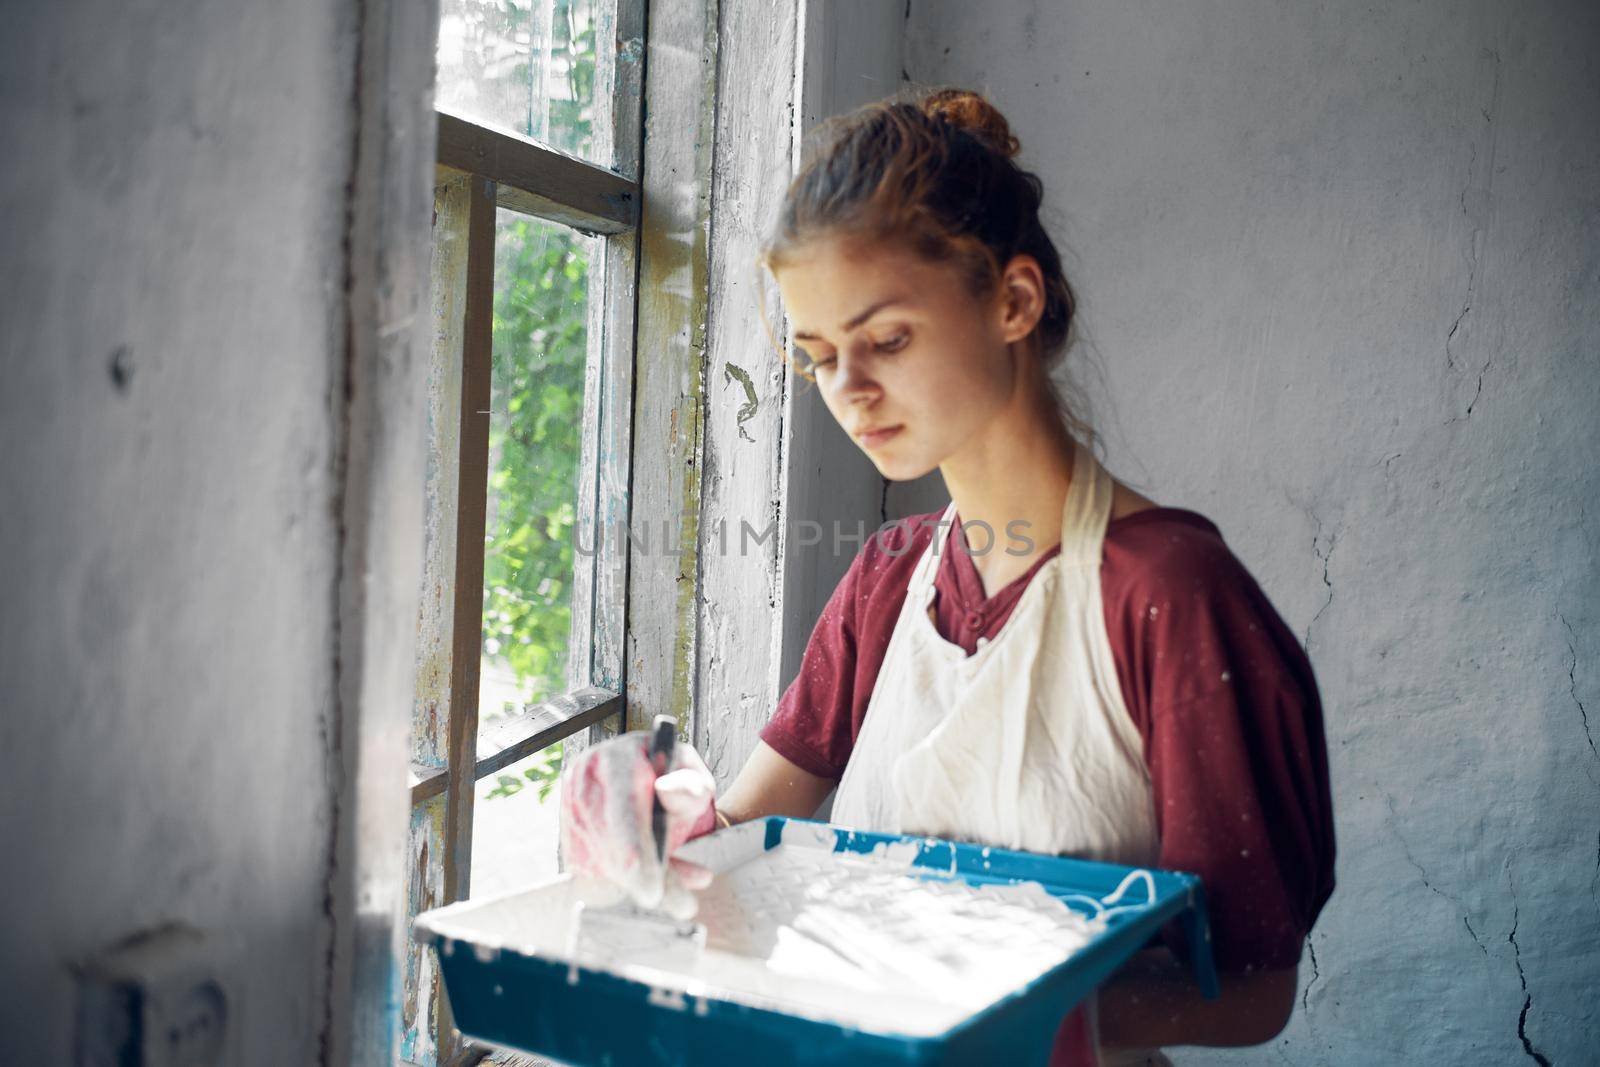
[{"x": 663, "y": 738}]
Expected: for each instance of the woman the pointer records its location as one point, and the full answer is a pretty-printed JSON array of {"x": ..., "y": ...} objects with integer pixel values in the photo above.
[{"x": 1090, "y": 674}]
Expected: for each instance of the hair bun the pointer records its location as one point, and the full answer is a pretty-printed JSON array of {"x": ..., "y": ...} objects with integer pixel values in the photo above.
[{"x": 969, "y": 111}]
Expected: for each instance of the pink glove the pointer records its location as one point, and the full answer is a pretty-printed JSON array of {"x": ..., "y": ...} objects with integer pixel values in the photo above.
[{"x": 607, "y": 794}]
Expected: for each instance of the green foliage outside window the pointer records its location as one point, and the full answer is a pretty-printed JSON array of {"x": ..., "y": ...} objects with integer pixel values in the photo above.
[
  {"x": 540, "y": 351},
  {"x": 540, "y": 354}
]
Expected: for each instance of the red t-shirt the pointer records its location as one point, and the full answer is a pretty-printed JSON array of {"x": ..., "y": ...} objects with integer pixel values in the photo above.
[{"x": 1221, "y": 692}]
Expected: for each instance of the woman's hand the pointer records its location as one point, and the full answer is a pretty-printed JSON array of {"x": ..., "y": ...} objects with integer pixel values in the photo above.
[{"x": 607, "y": 795}]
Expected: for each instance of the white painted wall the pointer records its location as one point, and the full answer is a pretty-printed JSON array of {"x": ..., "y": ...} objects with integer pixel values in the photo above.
[
  {"x": 210, "y": 469},
  {"x": 1305, "y": 235}
]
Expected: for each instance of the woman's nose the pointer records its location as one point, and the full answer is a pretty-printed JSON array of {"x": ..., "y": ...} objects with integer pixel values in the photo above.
[{"x": 853, "y": 376}]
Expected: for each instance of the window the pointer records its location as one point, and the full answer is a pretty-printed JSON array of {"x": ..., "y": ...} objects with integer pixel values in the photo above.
[{"x": 533, "y": 276}]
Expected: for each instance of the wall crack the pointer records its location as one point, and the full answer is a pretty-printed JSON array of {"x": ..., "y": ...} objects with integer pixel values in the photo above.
[
  {"x": 1325, "y": 555},
  {"x": 1594, "y": 879},
  {"x": 1316, "y": 973},
  {"x": 1422, "y": 874},
  {"x": 1476, "y": 203},
  {"x": 1528, "y": 1048},
  {"x": 1572, "y": 687},
  {"x": 1449, "y": 359},
  {"x": 1467, "y": 922},
  {"x": 1481, "y": 372}
]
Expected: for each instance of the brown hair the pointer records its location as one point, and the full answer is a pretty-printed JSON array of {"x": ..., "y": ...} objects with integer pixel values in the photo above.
[{"x": 933, "y": 170}]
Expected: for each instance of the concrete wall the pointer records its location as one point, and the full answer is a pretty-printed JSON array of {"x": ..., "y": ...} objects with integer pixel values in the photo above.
[
  {"x": 1342, "y": 268},
  {"x": 211, "y": 483}
]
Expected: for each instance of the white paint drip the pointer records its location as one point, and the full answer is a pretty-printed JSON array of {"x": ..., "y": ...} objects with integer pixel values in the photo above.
[{"x": 854, "y": 938}]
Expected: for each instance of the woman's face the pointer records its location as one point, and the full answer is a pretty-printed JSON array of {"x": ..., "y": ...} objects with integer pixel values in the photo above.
[{"x": 898, "y": 344}]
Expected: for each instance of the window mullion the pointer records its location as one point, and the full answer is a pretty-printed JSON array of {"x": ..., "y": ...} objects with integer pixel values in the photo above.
[
  {"x": 450, "y": 624},
  {"x": 466, "y": 645},
  {"x": 600, "y": 605}
]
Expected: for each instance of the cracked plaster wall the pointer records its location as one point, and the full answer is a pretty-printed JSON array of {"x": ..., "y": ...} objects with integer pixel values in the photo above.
[{"x": 1341, "y": 267}]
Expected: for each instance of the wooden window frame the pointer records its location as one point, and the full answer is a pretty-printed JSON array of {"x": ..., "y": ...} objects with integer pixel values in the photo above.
[{"x": 480, "y": 169}]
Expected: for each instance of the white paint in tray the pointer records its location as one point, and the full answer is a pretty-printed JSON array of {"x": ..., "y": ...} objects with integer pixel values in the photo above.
[{"x": 851, "y": 938}]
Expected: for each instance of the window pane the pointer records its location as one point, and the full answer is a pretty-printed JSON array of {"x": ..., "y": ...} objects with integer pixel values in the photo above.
[
  {"x": 535, "y": 441},
  {"x": 528, "y": 66},
  {"x": 514, "y": 825}
]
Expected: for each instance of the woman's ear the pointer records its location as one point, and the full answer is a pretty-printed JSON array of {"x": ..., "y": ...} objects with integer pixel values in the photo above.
[{"x": 1022, "y": 297}]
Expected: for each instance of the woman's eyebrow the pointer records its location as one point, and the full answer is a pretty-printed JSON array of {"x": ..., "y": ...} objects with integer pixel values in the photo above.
[{"x": 805, "y": 335}]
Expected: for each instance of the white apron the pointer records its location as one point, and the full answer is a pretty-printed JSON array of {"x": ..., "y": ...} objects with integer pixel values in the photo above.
[{"x": 1025, "y": 744}]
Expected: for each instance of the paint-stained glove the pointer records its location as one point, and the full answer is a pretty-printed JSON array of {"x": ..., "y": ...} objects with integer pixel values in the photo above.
[{"x": 607, "y": 794}]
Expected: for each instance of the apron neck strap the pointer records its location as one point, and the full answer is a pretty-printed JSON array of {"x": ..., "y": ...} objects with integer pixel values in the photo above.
[
  {"x": 1087, "y": 509},
  {"x": 1084, "y": 515}
]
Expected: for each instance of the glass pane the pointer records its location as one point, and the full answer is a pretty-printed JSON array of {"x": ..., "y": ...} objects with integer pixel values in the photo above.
[
  {"x": 541, "y": 308},
  {"x": 514, "y": 825},
  {"x": 526, "y": 65},
  {"x": 536, "y": 430}
]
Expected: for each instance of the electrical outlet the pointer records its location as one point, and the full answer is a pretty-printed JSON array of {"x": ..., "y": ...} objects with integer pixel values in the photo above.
[{"x": 152, "y": 1001}]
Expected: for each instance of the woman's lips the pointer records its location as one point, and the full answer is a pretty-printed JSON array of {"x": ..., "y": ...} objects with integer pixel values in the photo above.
[{"x": 878, "y": 437}]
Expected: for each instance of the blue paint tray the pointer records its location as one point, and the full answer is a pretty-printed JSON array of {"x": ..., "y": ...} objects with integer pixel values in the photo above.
[{"x": 750, "y": 992}]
